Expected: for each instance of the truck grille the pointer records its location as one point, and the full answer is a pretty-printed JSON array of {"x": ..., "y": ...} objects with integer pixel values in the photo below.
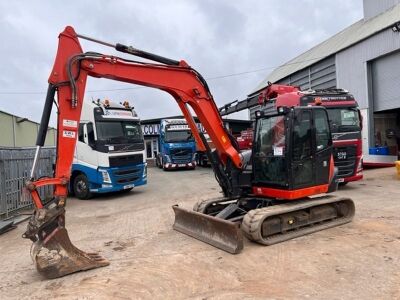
[
  {"x": 125, "y": 160},
  {"x": 127, "y": 175},
  {"x": 345, "y": 163},
  {"x": 181, "y": 156}
]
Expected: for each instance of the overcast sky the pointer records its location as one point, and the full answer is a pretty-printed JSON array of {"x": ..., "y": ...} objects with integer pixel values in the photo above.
[{"x": 233, "y": 44}]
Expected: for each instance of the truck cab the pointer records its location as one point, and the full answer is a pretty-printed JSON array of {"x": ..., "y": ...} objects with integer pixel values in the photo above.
[
  {"x": 109, "y": 154},
  {"x": 346, "y": 125},
  {"x": 177, "y": 147}
]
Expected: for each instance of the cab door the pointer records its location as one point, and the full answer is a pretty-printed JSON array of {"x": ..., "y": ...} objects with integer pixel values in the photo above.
[
  {"x": 302, "y": 152},
  {"x": 323, "y": 146}
]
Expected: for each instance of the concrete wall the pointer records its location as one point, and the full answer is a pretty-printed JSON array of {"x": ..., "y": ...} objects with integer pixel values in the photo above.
[{"x": 22, "y": 134}]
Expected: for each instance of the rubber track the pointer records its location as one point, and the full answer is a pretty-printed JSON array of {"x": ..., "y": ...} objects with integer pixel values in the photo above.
[{"x": 253, "y": 220}]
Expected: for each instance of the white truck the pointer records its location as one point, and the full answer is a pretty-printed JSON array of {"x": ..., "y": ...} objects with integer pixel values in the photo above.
[{"x": 109, "y": 154}]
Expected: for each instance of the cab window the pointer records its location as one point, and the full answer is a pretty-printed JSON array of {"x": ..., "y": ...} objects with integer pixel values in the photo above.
[
  {"x": 302, "y": 137},
  {"x": 322, "y": 130}
]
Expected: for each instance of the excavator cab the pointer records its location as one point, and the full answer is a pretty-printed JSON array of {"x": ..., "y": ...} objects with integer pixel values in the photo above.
[{"x": 292, "y": 153}]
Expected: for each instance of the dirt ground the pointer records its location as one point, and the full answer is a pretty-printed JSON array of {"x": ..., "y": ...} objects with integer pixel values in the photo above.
[{"x": 149, "y": 260}]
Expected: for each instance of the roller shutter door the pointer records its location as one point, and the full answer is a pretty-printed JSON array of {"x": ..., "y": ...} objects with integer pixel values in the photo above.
[{"x": 386, "y": 82}]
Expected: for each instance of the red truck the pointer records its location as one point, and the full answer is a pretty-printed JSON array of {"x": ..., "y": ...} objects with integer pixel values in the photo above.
[
  {"x": 346, "y": 125},
  {"x": 245, "y": 139}
]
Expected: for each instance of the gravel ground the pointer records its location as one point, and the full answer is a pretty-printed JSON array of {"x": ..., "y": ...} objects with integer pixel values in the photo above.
[{"x": 149, "y": 260}]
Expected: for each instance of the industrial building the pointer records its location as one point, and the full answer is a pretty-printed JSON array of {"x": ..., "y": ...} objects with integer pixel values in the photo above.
[
  {"x": 21, "y": 132},
  {"x": 364, "y": 59}
]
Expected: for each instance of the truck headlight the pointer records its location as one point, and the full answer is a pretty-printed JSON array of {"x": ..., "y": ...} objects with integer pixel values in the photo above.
[
  {"x": 106, "y": 176},
  {"x": 167, "y": 158}
]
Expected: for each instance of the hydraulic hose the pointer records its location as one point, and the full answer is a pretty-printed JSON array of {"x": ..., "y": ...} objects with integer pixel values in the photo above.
[{"x": 44, "y": 123}]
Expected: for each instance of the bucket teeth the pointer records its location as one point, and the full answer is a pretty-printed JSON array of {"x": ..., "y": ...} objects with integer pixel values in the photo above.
[
  {"x": 217, "y": 232},
  {"x": 56, "y": 256}
]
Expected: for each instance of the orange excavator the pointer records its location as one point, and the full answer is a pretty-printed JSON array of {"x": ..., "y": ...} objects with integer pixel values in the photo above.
[{"x": 269, "y": 193}]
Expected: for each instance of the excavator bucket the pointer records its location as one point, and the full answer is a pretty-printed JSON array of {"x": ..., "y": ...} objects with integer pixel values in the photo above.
[
  {"x": 218, "y": 232},
  {"x": 56, "y": 256}
]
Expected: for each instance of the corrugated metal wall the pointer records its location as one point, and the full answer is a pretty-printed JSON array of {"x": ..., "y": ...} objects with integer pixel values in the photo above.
[
  {"x": 354, "y": 71},
  {"x": 321, "y": 75},
  {"x": 375, "y": 7},
  {"x": 352, "y": 63}
]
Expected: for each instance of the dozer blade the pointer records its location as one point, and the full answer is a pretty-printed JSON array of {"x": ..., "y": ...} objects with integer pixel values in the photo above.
[
  {"x": 56, "y": 256},
  {"x": 218, "y": 232}
]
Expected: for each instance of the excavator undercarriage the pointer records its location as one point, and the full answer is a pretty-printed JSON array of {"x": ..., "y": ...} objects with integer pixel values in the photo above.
[{"x": 223, "y": 222}]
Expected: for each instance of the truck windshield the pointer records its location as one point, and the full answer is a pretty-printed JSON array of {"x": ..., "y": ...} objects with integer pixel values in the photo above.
[
  {"x": 118, "y": 131},
  {"x": 344, "y": 119},
  {"x": 178, "y": 136}
]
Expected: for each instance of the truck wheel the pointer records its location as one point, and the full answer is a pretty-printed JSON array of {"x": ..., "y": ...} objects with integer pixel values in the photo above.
[{"x": 81, "y": 187}]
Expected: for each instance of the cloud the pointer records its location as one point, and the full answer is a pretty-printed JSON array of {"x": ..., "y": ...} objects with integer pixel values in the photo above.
[{"x": 215, "y": 37}]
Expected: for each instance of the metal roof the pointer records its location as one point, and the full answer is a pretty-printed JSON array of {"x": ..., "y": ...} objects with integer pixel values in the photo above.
[{"x": 344, "y": 39}]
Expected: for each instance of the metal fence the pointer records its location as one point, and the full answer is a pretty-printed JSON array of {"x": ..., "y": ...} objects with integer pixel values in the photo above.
[{"x": 15, "y": 167}]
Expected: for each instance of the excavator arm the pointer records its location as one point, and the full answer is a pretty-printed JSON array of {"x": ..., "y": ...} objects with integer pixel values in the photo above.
[{"x": 68, "y": 79}]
